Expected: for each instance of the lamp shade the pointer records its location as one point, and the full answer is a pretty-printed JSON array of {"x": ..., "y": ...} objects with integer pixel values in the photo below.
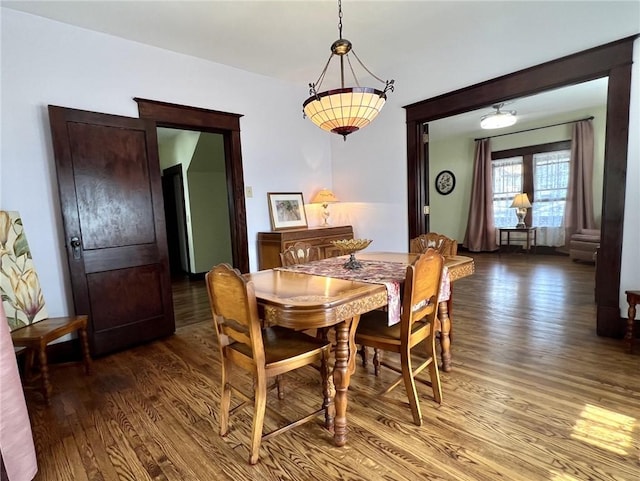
[
  {"x": 499, "y": 118},
  {"x": 347, "y": 109},
  {"x": 521, "y": 201},
  {"x": 343, "y": 111},
  {"x": 324, "y": 196}
]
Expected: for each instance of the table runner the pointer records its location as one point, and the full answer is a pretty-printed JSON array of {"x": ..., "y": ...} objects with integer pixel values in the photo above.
[{"x": 390, "y": 274}]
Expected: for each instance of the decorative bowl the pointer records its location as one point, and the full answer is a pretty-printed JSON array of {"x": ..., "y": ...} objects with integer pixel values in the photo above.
[{"x": 351, "y": 246}]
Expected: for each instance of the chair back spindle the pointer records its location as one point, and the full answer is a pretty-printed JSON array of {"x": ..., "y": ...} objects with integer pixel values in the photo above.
[
  {"x": 299, "y": 253},
  {"x": 443, "y": 244}
]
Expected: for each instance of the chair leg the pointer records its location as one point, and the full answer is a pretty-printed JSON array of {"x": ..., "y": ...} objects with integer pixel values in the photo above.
[
  {"x": 434, "y": 372},
  {"x": 364, "y": 354},
  {"x": 86, "y": 356},
  {"x": 280, "y": 387},
  {"x": 28, "y": 365},
  {"x": 44, "y": 372},
  {"x": 258, "y": 418},
  {"x": 410, "y": 386},
  {"x": 376, "y": 360},
  {"x": 225, "y": 399}
]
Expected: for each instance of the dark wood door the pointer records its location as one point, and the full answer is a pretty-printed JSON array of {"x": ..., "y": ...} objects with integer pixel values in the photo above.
[
  {"x": 175, "y": 216},
  {"x": 115, "y": 236}
]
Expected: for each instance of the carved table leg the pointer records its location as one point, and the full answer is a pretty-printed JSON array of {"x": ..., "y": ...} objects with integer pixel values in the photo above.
[
  {"x": 344, "y": 366},
  {"x": 328, "y": 391},
  {"x": 445, "y": 341}
]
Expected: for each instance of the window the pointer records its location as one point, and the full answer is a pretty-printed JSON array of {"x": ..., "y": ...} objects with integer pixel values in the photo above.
[
  {"x": 542, "y": 171},
  {"x": 551, "y": 179},
  {"x": 507, "y": 182}
]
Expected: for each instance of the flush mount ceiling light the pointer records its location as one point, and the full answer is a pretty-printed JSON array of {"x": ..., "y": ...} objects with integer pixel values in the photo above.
[
  {"x": 499, "y": 118},
  {"x": 346, "y": 109}
]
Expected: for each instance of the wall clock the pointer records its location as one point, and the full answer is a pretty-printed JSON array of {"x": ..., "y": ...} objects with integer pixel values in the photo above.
[{"x": 445, "y": 182}]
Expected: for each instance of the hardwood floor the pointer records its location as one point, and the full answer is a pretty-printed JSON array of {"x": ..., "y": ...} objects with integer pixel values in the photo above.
[
  {"x": 534, "y": 394},
  {"x": 190, "y": 301}
]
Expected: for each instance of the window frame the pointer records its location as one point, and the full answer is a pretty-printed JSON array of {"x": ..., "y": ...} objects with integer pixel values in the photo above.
[{"x": 527, "y": 152}]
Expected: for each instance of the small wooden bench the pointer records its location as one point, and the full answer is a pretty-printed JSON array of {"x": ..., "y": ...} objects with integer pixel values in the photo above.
[{"x": 36, "y": 336}]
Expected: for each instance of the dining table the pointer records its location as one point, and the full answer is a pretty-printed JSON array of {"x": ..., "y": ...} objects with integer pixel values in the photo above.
[
  {"x": 297, "y": 298},
  {"x": 389, "y": 268}
]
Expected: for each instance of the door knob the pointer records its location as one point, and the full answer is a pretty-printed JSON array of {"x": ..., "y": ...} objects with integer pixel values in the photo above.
[{"x": 75, "y": 246}]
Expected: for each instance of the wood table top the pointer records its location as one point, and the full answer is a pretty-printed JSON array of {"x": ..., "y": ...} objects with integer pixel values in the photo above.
[{"x": 303, "y": 301}]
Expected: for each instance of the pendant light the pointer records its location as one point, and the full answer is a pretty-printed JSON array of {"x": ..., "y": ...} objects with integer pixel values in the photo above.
[
  {"x": 499, "y": 118},
  {"x": 346, "y": 109}
]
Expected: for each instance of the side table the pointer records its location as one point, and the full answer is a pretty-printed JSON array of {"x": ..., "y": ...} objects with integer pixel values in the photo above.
[
  {"x": 530, "y": 233},
  {"x": 633, "y": 298}
]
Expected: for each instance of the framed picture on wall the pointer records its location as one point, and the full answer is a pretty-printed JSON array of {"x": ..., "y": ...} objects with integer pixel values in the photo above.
[{"x": 286, "y": 210}]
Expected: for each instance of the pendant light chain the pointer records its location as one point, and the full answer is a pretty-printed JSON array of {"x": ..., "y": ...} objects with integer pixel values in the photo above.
[
  {"x": 346, "y": 109},
  {"x": 340, "y": 18}
]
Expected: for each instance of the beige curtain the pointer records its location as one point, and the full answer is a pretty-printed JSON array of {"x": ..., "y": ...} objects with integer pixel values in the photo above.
[
  {"x": 578, "y": 213},
  {"x": 481, "y": 235}
]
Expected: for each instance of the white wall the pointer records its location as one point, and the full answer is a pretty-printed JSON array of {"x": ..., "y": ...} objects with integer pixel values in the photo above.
[{"x": 45, "y": 62}]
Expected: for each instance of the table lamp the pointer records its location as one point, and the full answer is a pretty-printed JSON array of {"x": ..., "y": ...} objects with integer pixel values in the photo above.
[
  {"x": 325, "y": 197},
  {"x": 521, "y": 204}
]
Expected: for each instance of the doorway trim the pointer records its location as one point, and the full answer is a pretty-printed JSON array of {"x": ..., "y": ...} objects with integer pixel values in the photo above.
[
  {"x": 184, "y": 117},
  {"x": 612, "y": 60}
]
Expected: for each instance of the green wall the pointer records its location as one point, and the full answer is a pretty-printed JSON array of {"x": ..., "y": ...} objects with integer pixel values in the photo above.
[
  {"x": 448, "y": 214},
  {"x": 210, "y": 226}
]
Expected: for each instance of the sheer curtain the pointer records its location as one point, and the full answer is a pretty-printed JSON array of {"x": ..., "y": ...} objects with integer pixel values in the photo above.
[
  {"x": 578, "y": 212},
  {"x": 550, "y": 182},
  {"x": 480, "y": 234}
]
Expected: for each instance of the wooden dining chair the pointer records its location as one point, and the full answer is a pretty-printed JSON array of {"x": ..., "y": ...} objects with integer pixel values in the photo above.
[
  {"x": 264, "y": 352},
  {"x": 419, "y": 308},
  {"x": 446, "y": 247},
  {"x": 299, "y": 253},
  {"x": 443, "y": 244}
]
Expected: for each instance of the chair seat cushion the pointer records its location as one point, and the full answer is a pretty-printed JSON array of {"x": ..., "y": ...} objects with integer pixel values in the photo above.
[
  {"x": 591, "y": 232},
  {"x": 374, "y": 324},
  {"x": 586, "y": 238},
  {"x": 281, "y": 344}
]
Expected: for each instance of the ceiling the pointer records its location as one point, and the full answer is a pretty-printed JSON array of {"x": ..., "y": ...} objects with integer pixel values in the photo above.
[
  {"x": 531, "y": 110},
  {"x": 290, "y": 40}
]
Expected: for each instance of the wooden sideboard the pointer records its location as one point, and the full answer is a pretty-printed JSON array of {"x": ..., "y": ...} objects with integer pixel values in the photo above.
[{"x": 270, "y": 244}]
